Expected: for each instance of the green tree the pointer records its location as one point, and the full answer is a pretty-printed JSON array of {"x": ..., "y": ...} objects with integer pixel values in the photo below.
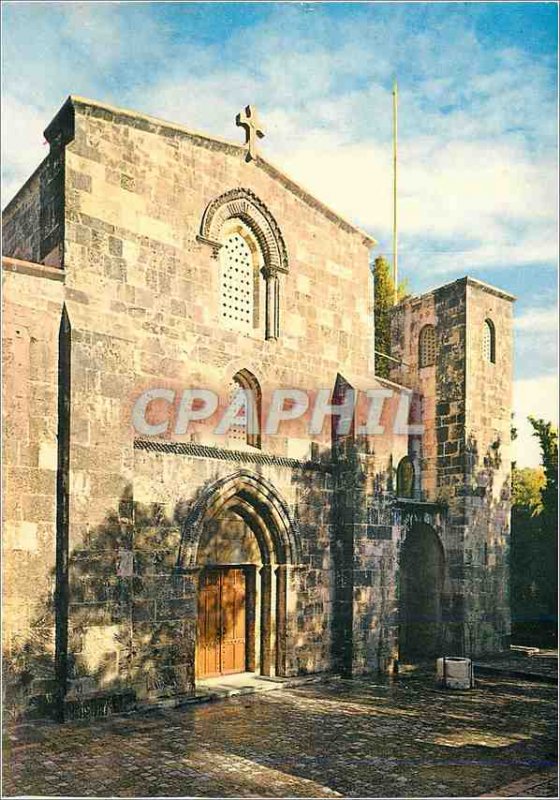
[
  {"x": 527, "y": 486},
  {"x": 547, "y": 435},
  {"x": 534, "y": 544},
  {"x": 384, "y": 300}
]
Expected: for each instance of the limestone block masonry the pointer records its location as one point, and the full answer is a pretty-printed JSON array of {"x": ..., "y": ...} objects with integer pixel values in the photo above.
[
  {"x": 114, "y": 284},
  {"x": 466, "y": 448}
]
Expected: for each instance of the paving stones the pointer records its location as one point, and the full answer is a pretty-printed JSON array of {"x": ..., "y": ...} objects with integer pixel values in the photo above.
[
  {"x": 541, "y": 665},
  {"x": 340, "y": 738}
]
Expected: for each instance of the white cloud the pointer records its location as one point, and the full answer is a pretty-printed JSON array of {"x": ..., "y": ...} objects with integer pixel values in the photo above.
[
  {"x": 470, "y": 173},
  {"x": 23, "y": 146},
  {"x": 459, "y": 211},
  {"x": 477, "y": 149},
  {"x": 536, "y": 340},
  {"x": 536, "y": 397},
  {"x": 538, "y": 320},
  {"x": 475, "y": 191}
]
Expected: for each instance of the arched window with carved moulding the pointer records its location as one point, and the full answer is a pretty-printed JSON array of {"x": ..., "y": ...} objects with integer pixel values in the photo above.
[{"x": 247, "y": 241}]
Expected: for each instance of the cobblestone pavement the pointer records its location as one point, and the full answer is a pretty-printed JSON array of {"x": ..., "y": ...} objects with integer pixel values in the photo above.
[
  {"x": 539, "y": 784},
  {"x": 543, "y": 664},
  {"x": 330, "y": 739}
]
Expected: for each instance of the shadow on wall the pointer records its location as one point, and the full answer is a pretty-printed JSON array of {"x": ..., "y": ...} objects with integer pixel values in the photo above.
[
  {"x": 133, "y": 611},
  {"x": 310, "y": 623},
  {"x": 472, "y": 615},
  {"x": 421, "y": 588},
  {"x": 132, "y": 618},
  {"x": 364, "y": 633},
  {"x": 486, "y": 552}
]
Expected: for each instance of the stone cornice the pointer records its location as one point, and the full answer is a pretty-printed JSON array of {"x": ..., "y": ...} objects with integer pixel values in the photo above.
[
  {"x": 222, "y": 454},
  {"x": 410, "y": 505},
  {"x": 486, "y": 287},
  {"x": 32, "y": 268},
  {"x": 465, "y": 281}
]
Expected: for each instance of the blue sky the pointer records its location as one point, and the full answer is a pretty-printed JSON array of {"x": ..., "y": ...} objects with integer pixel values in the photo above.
[{"x": 477, "y": 122}]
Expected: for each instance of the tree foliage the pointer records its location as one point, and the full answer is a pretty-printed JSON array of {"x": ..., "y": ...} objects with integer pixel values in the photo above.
[
  {"x": 384, "y": 300},
  {"x": 547, "y": 435},
  {"x": 527, "y": 486},
  {"x": 534, "y": 543}
]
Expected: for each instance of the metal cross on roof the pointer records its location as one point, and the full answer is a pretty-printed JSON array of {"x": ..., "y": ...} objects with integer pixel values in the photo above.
[{"x": 247, "y": 119}]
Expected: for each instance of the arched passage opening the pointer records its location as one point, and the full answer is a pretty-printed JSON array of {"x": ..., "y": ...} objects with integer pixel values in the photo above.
[
  {"x": 240, "y": 540},
  {"x": 421, "y": 574}
]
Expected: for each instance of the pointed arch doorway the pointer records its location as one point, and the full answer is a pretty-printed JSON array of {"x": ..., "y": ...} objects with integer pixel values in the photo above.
[{"x": 240, "y": 539}]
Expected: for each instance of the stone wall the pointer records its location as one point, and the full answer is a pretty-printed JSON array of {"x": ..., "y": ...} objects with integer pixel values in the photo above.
[
  {"x": 33, "y": 221},
  {"x": 32, "y": 305},
  {"x": 133, "y": 615},
  {"x": 488, "y": 490},
  {"x": 466, "y": 448},
  {"x": 143, "y": 299},
  {"x": 308, "y": 494},
  {"x": 21, "y": 229},
  {"x": 368, "y": 532}
]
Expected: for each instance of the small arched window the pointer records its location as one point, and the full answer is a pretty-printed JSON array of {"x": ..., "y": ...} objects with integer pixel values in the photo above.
[
  {"x": 405, "y": 478},
  {"x": 427, "y": 346},
  {"x": 246, "y": 389},
  {"x": 489, "y": 342}
]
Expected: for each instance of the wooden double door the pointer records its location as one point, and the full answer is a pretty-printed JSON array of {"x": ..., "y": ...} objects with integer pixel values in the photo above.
[{"x": 221, "y": 639}]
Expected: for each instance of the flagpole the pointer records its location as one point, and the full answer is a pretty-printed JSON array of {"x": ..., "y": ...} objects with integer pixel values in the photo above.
[{"x": 395, "y": 242}]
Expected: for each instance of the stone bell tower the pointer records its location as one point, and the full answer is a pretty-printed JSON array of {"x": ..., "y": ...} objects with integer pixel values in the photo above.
[{"x": 456, "y": 350}]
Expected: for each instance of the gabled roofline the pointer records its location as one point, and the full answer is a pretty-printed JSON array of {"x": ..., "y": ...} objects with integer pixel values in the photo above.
[{"x": 156, "y": 125}]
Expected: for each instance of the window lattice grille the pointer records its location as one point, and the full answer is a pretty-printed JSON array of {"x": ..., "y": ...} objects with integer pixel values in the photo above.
[
  {"x": 237, "y": 290},
  {"x": 427, "y": 346}
]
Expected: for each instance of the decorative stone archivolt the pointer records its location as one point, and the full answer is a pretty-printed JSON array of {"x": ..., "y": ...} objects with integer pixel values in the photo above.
[
  {"x": 264, "y": 508},
  {"x": 243, "y": 204}
]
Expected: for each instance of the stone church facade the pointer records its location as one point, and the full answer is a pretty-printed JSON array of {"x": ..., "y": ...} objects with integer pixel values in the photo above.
[{"x": 143, "y": 257}]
